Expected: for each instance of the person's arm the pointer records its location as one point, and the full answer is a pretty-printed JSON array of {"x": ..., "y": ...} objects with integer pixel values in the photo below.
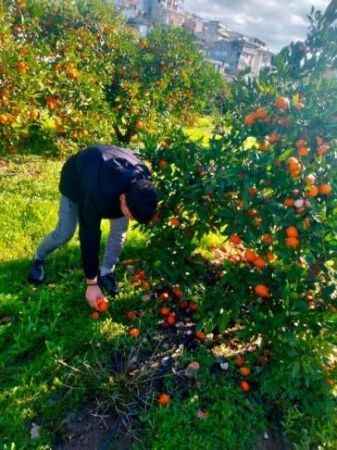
[
  {"x": 117, "y": 235},
  {"x": 90, "y": 237}
]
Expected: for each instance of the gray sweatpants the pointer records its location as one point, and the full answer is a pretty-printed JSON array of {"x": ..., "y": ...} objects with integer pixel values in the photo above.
[{"x": 66, "y": 227}]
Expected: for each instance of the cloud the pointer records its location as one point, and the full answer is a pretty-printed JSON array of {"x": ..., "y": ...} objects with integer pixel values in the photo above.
[{"x": 275, "y": 22}]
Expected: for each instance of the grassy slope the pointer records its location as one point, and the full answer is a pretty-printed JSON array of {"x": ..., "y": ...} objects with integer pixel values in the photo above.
[{"x": 49, "y": 331}]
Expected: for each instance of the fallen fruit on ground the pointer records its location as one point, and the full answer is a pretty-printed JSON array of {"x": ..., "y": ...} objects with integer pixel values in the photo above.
[
  {"x": 260, "y": 263},
  {"x": 164, "y": 297},
  {"x": 134, "y": 332},
  {"x": 235, "y": 239},
  {"x": 193, "y": 307},
  {"x": 177, "y": 292},
  {"x": 262, "y": 291},
  {"x": 250, "y": 256},
  {"x": 239, "y": 360},
  {"x": 245, "y": 371},
  {"x": 171, "y": 319},
  {"x": 131, "y": 315},
  {"x": 164, "y": 399},
  {"x": 200, "y": 335},
  {"x": 245, "y": 386},
  {"x": 164, "y": 311}
]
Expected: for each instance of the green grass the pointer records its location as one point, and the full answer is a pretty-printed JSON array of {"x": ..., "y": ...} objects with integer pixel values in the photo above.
[
  {"x": 50, "y": 324},
  {"x": 49, "y": 341},
  {"x": 54, "y": 359}
]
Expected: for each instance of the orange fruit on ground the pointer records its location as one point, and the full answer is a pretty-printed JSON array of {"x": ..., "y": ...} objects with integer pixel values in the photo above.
[
  {"x": 245, "y": 386},
  {"x": 267, "y": 239},
  {"x": 139, "y": 125},
  {"x": 303, "y": 151},
  {"x": 34, "y": 114},
  {"x": 131, "y": 315},
  {"x": 260, "y": 263},
  {"x": 310, "y": 297},
  {"x": 313, "y": 191},
  {"x": 102, "y": 304},
  {"x": 174, "y": 222},
  {"x": 164, "y": 311},
  {"x": 325, "y": 189},
  {"x": 94, "y": 315},
  {"x": 140, "y": 275},
  {"x": 200, "y": 335},
  {"x": 250, "y": 256},
  {"x": 282, "y": 103},
  {"x": 177, "y": 292},
  {"x": 235, "y": 239},
  {"x": 164, "y": 399},
  {"x": 134, "y": 332},
  {"x": 292, "y": 232},
  {"x": 252, "y": 191},
  {"x": 252, "y": 212},
  {"x": 3, "y": 119},
  {"x": 271, "y": 257},
  {"x": 171, "y": 319},
  {"x": 52, "y": 102},
  {"x": 292, "y": 242},
  {"x": 22, "y": 67},
  {"x": 193, "y": 306},
  {"x": 239, "y": 360},
  {"x": 162, "y": 164},
  {"x": 245, "y": 371},
  {"x": 262, "y": 291},
  {"x": 289, "y": 202},
  {"x": 164, "y": 296}
]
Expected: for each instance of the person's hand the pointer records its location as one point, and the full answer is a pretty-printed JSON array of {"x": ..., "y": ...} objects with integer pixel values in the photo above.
[{"x": 93, "y": 293}]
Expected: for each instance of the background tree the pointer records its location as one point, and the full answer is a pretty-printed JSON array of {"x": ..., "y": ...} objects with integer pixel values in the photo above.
[{"x": 160, "y": 80}]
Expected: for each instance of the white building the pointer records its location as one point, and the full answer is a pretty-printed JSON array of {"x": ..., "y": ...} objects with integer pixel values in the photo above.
[{"x": 230, "y": 52}]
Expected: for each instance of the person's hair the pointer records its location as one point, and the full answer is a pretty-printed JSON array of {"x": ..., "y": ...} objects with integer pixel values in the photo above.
[{"x": 141, "y": 199}]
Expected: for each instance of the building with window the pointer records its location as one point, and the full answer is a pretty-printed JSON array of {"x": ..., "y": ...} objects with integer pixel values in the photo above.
[{"x": 230, "y": 52}]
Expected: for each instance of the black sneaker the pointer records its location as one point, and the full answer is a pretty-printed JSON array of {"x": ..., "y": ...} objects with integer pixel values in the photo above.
[
  {"x": 36, "y": 274},
  {"x": 108, "y": 283}
]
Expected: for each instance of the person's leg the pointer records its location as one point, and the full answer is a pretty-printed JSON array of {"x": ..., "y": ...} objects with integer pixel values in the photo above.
[
  {"x": 65, "y": 229},
  {"x": 118, "y": 229}
]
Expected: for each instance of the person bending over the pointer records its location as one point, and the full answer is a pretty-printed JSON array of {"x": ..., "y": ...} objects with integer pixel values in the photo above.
[{"x": 101, "y": 181}]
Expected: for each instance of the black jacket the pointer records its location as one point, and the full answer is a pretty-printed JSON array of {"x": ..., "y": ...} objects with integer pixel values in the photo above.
[{"x": 95, "y": 178}]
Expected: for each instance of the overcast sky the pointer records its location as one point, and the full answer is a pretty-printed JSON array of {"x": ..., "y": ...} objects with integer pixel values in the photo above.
[{"x": 276, "y": 22}]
